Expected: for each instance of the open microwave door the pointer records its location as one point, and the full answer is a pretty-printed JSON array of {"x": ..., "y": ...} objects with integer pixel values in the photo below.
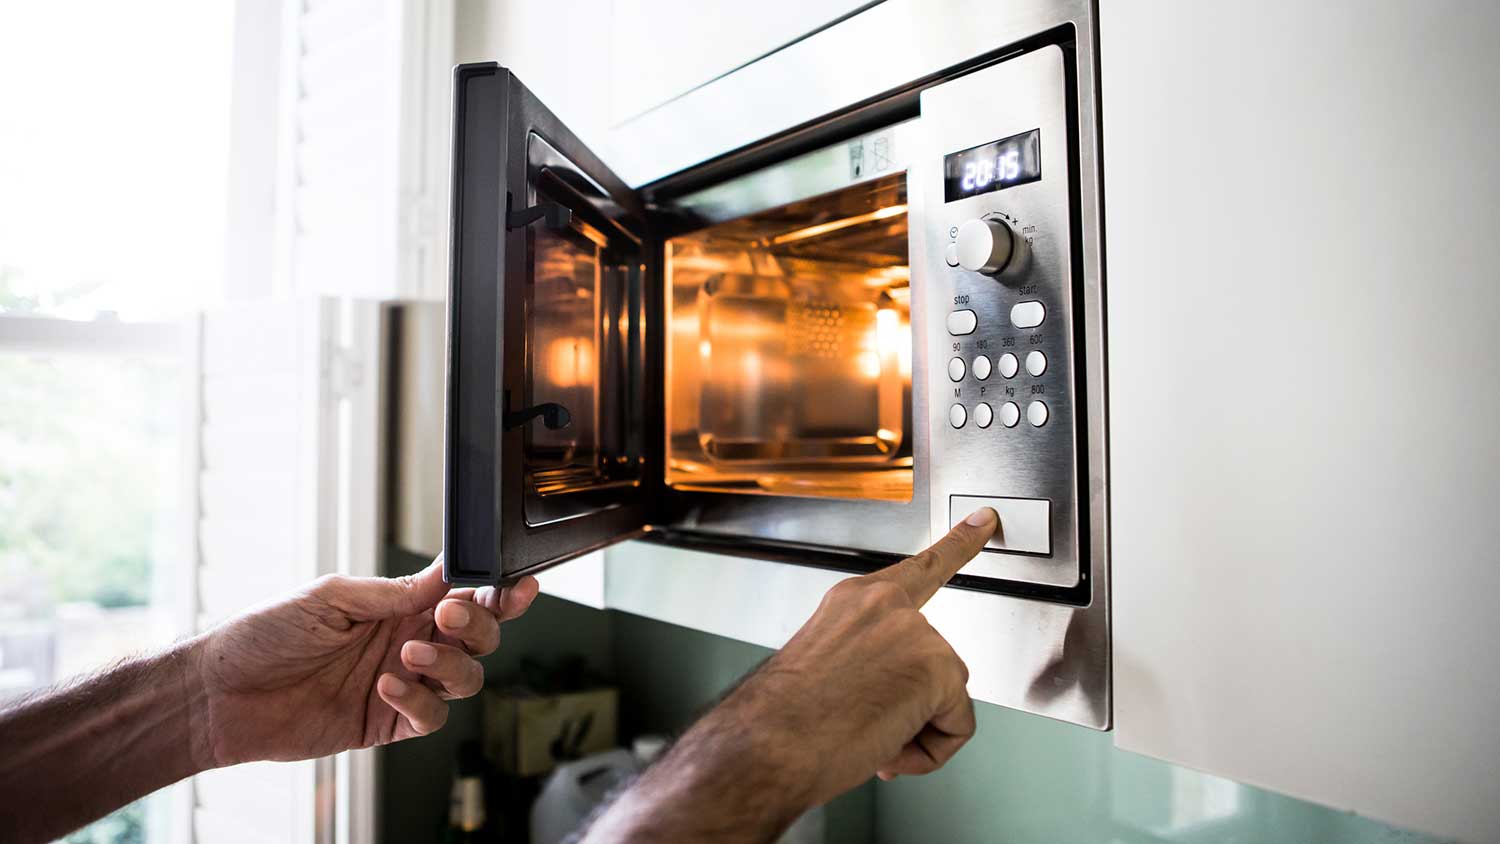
[{"x": 547, "y": 427}]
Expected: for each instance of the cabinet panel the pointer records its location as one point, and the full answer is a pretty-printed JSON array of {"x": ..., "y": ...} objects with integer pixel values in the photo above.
[{"x": 1302, "y": 352}]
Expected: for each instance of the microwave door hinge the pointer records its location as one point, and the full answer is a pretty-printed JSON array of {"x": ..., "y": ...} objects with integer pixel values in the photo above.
[{"x": 557, "y": 216}]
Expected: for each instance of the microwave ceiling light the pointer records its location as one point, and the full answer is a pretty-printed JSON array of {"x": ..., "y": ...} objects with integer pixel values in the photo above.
[{"x": 835, "y": 225}]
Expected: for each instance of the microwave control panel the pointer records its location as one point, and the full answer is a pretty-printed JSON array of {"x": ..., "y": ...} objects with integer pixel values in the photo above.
[{"x": 1004, "y": 357}]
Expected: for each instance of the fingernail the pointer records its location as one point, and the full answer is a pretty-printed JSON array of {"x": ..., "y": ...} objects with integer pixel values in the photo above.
[
  {"x": 420, "y": 653},
  {"x": 454, "y": 614},
  {"x": 394, "y": 685},
  {"x": 981, "y": 517}
]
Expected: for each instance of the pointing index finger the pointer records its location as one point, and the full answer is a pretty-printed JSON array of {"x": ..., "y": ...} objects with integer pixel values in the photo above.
[{"x": 923, "y": 574}]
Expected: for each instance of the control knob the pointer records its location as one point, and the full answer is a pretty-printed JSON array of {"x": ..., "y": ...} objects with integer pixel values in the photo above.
[{"x": 990, "y": 246}]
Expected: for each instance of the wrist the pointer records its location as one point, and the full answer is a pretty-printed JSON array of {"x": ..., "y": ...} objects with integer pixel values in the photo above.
[
  {"x": 736, "y": 775},
  {"x": 187, "y": 660}
]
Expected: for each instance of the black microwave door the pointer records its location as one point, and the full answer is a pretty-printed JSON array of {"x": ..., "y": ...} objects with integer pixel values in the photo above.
[{"x": 547, "y": 435}]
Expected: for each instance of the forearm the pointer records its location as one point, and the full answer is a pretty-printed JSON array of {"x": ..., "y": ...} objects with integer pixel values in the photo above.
[
  {"x": 733, "y": 777},
  {"x": 76, "y": 753}
]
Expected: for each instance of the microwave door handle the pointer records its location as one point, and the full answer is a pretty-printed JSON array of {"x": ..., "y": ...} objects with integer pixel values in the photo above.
[
  {"x": 557, "y": 216},
  {"x": 553, "y": 415}
]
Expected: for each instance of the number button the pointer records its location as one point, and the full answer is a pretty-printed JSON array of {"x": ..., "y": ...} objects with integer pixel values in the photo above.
[
  {"x": 956, "y": 369},
  {"x": 1009, "y": 365},
  {"x": 1036, "y": 363},
  {"x": 1036, "y": 413},
  {"x": 981, "y": 367}
]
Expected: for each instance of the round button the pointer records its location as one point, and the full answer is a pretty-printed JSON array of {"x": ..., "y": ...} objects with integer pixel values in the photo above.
[
  {"x": 1009, "y": 365},
  {"x": 950, "y": 257},
  {"x": 1036, "y": 363},
  {"x": 983, "y": 415},
  {"x": 957, "y": 416},
  {"x": 956, "y": 369},
  {"x": 984, "y": 246},
  {"x": 1010, "y": 414},
  {"x": 1036, "y": 413},
  {"x": 981, "y": 367}
]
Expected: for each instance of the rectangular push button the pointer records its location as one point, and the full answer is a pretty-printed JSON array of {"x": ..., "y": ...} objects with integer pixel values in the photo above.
[
  {"x": 962, "y": 322},
  {"x": 1025, "y": 523}
]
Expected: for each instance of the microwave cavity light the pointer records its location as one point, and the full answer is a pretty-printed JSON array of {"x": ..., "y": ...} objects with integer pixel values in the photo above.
[{"x": 835, "y": 225}]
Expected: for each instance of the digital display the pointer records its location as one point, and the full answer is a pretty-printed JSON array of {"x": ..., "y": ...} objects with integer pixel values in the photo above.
[{"x": 993, "y": 166}]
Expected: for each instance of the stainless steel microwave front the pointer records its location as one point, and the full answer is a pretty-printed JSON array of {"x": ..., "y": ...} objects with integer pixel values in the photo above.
[{"x": 824, "y": 348}]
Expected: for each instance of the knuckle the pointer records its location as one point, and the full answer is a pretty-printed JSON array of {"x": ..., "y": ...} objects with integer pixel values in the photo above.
[
  {"x": 883, "y": 593},
  {"x": 842, "y": 590},
  {"x": 963, "y": 669},
  {"x": 476, "y": 678},
  {"x": 329, "y": 584},
  {"x": 435, "y": 721},
  {"x": 927, "y": 558}
]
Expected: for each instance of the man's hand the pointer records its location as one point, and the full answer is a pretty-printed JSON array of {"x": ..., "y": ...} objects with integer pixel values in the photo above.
[
  {"x": 349, "y": 662},
  {"x": 866, "y": 687}
]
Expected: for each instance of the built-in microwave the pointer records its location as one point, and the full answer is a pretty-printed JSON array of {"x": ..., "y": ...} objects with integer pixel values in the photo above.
[{"x": 823, "y": 348}]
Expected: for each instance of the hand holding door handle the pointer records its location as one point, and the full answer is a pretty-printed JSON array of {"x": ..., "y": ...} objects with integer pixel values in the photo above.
[{"x": 348, "y": 662}]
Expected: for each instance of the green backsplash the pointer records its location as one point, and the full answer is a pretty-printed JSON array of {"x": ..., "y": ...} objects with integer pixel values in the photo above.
[{"x": 1022, "y": 779}]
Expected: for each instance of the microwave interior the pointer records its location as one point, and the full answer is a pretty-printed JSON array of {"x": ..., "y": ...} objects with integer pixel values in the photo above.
[
  {"x": 788, "y": 367},
  {"x": 788, "y": 357}
]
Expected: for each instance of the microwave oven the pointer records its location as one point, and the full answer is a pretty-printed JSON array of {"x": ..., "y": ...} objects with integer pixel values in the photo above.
[{"x": 822, "y": 348}]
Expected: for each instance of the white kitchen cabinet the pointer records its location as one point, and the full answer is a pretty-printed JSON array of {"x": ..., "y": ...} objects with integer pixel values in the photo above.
[{"x": 1301, "y": 214}]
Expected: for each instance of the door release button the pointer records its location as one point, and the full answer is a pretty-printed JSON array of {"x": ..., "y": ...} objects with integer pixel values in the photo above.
[
  {"x": 1027, "y": 314},
  {"x": 1025, "y": 523},
  {"x": 962, "y": 322}
]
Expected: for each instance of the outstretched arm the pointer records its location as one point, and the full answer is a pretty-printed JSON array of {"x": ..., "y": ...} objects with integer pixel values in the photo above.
[
  {"x": 866, "y": 687},
  {"x": 78, "y": 752}
]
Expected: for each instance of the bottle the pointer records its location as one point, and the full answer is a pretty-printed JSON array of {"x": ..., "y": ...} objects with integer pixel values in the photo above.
[{"x": 466, "y": 814}]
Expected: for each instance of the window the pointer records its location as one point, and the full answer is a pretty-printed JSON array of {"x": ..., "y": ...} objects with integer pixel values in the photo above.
[{"x": 113, "y": 153}]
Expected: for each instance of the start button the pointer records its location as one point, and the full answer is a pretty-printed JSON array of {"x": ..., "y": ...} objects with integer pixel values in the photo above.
[{"x": 1025, "y": 523}]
